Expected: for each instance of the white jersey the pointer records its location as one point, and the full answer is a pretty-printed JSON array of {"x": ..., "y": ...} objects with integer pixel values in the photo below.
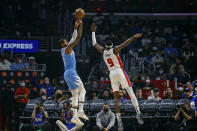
[{"x": 112, "y": 61}]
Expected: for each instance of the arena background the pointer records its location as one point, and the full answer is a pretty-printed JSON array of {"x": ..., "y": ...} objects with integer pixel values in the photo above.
[{"x": 30, "y": 30}]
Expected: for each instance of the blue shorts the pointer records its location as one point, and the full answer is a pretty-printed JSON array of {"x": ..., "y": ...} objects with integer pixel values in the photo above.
[{"x": 72, "y": 79}]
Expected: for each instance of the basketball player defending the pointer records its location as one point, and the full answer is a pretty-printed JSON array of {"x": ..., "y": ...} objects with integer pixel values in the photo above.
[
  {"x": 70, "y": 75},
  {"x": 117, "y": 75}
]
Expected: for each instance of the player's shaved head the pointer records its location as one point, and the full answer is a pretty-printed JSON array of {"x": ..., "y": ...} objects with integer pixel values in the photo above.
[
  {"x": 63, "y": 43},
  {"x": 108, "y": 43}
]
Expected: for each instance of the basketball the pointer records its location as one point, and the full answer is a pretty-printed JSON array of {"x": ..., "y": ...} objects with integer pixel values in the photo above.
[{"x": 79, "y": 13}]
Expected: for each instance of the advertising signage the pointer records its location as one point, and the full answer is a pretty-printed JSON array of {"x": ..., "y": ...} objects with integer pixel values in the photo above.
[{"x": 20, "y": 46}]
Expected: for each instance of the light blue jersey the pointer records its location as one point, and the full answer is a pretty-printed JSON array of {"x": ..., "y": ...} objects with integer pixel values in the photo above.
[
  {"x": 69, "y": 60},
  {"x": 70, "y": 75}
]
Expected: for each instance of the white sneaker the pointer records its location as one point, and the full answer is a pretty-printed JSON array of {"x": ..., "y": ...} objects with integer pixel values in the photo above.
[
  {"x": 83, "y": 116},
  {"x": 77, "y": 121}
]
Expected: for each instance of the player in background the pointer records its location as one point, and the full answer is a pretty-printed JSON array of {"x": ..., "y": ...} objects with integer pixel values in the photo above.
[
  {"x": 117, "y": 75},
  {"x": 70, "y": 75}
]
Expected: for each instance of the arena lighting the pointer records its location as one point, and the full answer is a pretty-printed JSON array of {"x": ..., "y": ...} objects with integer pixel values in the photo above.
[
  {"x": 4, "y": 74},
  {"x": 27, "y": 74},
  {"x": 42, "y": 74},
  {"x": 12, "y": 74},
  {"x": 19, "y": 74}
]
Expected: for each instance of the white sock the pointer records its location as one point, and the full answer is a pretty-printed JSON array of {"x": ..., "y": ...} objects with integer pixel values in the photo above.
[
  {"x": 82, "y": 93},
  {"x": 133, "y": 99}
]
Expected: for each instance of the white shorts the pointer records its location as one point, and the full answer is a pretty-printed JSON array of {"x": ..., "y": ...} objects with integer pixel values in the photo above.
[{"x": 119, "y": 77}]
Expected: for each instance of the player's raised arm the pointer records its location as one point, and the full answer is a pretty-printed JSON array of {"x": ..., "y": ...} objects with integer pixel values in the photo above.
[
  {"x": 95, "y": 44},
  {"x": 126, "y": 43},
  {"x": 74, "y": 42}
]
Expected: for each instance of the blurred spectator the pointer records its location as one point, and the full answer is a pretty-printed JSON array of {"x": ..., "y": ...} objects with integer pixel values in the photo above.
[
  {"x": 180, "y": 90},
  {"x": 195, "y": 89},
  {"x": 99, "y": 18},
  {"x": 94, "y": 95},
  {"x": 139, "y": 94},
  {"x": 194, "y": 104},
  {"x": 158, "y": 60},
  {"x": 177, "y": 69},
  {"x": 155, "y": 95},
  {"x": 185, "y": 117},
  {"x": 168, "y": 94},
  {"x": 106, "y": 95},
  {"x": 187, "y": 94},
  {"x": 17, "y": 64},
  {"x": 43, "y": 96},
  {"x": 145, "y": 40},
  {"x": 170, "y": 49},
  {"x": 161, "y": 75},
  {"x": 21, "y": 96},
  {"x": 121, "y": 95},
  {"x": 7, "y": 104},
  {"x": 65, "y": 123},
  {"x": 50, "y": 90},
  {"x": 188, "y": 50},
  {"x": 39, "y": 116},
  {"x": 31, "y": 64},
  {"x": 4, "y": 64},
  {"x": 58, "y": 96},
  {"x": 105, "y": 119},
  {"x": 34, "y": 91}
]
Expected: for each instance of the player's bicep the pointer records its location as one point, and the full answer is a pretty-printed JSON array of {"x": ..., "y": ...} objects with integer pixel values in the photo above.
[{"x": 99, "y": 48}]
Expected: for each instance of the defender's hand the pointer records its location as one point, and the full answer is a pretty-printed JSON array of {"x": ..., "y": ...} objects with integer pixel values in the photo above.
[
  {"x": 93, "y": 27},
  {"x": 136, "y": 36}
]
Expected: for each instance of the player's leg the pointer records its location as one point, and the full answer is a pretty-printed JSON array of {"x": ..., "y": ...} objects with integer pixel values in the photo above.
[
  {"x": 126, "y": 84},
  {"x": 82, "y": 93},
  {"x": 71, "y": 82},
  {"x": 115, "y": 84}
]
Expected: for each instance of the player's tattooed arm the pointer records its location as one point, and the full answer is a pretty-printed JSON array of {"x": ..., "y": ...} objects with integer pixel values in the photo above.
[
  {"x": 95, "y": 44},
  {"x": 117, "y": 49},
  {"x": 74, "y": 43}
]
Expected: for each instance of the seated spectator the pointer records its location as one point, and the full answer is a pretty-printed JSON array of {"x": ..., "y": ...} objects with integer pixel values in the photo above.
[
  {"x": 195, "y": 89},
  {"x": 34, "y": 91},
  {"x": 194, "y": 104},
  {"x": 58, "y": 96},
  {"x": 145, "y": 40},
  {"x": 21, "y": 96},
  {"x": 105, "y": 119},
  {"x": 43, "y": 96},
  {"x": 65, "y": 123},
  {"x": 4, "y": 64},
  {"x": 39, "y": 116},
  {"x": 187, "y": 94},
  {"x": 121, "y": 95},
  {"x": 31, "y": 64},
  {"x": 155, "y": 95},
  {"x": 50, "y": 90},
  {"x": 168, "y": 94},
  {"x": 185, "y": 117},
  {"x": 17, "y": 65},
  {"x": 177, "y": 69},
  {"x": 94, "y": 95},
  {"x": 158, "y": 60},
  {"x": 106, "y": 95},
  {"x": 139, "y": 94},
  {"x": 170, "y": 49},
  {"x": 180, "y": 91}
]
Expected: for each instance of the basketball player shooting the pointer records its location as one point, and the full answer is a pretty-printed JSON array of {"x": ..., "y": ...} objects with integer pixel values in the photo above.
[
  {"x": 70, "y": 75},
  {"x": 117, "y": 75}
]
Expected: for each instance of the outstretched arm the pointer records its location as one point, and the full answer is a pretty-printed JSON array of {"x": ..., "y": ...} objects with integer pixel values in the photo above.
[
  {"x": 117, "y": 49},
  {"x": 95, "y": 44},
  {"x": 74, "y": 43}
]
